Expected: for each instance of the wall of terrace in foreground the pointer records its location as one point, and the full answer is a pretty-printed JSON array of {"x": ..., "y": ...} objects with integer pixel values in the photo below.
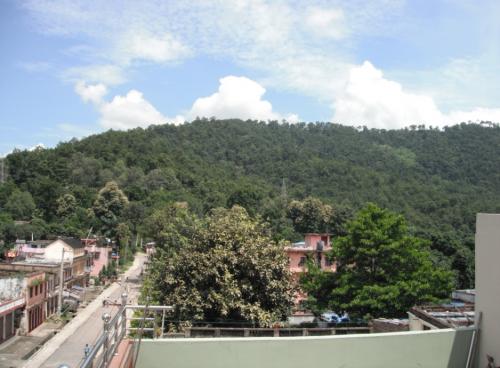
[{"x": 437, "y": 348}]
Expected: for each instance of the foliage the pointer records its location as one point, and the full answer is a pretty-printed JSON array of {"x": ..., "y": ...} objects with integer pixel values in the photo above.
[
  {"x": 313, "y": 216},
  {"x": 66, "y": 205},
  {"x": 20, "y": 205},
  {"x": 172, "y": 227},
  {"x": 228, "y": 269},
  {"x": 109, "y": 206},
  {"x": 381, "y": 269},
  {"x": 438, "y": 179}
]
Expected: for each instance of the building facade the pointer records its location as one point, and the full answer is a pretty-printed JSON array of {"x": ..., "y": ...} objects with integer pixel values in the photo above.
[
  {"x": 99, "y": 256},
  {"x": 314, "y": 248}
]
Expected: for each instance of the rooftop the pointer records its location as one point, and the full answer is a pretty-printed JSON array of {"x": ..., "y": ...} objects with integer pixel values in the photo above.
[{"x": 446, "y": 315}]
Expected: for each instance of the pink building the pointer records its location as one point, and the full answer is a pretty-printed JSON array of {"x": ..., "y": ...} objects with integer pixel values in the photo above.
[
  {"x": 99, "y": 255},
  {"x": 314, "y": 247}
]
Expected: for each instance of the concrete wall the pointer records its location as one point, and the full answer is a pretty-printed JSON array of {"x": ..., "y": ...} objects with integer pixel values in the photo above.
[
  {"x": 418, "y": 324},
  {"x": 12, "y": 287},
  {"x": 429, "y": 349},
  {"x": 101, "y": 261},
  {"x": 53, "y": 252},
  {"x": 488, "y": 285}
]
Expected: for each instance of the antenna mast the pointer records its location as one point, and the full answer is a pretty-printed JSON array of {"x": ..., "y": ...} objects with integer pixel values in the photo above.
[{"x": 284, "y": 194}]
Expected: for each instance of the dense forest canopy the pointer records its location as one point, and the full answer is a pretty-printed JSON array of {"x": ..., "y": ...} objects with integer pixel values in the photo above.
[{"x": 438, "y": 179}]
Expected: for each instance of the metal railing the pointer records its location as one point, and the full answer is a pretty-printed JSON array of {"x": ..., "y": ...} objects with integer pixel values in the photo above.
[{"x": 116, "y": 328}]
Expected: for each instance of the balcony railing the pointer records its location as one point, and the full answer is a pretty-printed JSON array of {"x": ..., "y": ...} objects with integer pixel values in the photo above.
[{"x": 115, "y": 329}]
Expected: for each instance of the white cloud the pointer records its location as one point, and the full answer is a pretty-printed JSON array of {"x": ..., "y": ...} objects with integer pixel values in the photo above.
[
  {"x": 129, "y": 111},
  {"x": 247, "y": 31},
  {"x": 371, "y": 99},
  {"x": 91, "y": 93},
  {"x": 476, "y": 115},
  {"x": 37, "y": 147},
  {"x": 274, "y": 39},
  {"x": 327, "y": 23},
  {"x": 122, "y": 112},
  {"x": 237, "y": 97},
  {"x": 143, "y": 45},
  {"x": 107, "y": 74}
]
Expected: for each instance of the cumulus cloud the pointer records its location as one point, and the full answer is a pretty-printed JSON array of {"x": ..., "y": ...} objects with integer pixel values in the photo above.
[
  {"x": 122, "y": 112},
  {"x": 237, "y": 97},
  {"x": 370, "y": 99},
  {"x": 476, "y": 115},
  {"x": 91, "y": 93},
  {"x": 129, "y": 111}
]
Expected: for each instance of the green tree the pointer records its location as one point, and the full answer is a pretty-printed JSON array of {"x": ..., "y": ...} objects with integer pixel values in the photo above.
[
  {"x": 381, "y": 269},
  {"x": 172, "y": 227},
  {"x": 311, "y": 216},
  {"x": 247, "y": 196},
  {"x": 66, "y": 205},
  {"x": 109, "y": 206},
  {"x": 230, "y": 270},
  {"x": 123, "y": 238},
  {"x": 20, "y": 205}
]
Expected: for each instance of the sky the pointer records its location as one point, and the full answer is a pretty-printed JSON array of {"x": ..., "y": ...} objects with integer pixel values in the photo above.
[{"x": 72, "y": 68}]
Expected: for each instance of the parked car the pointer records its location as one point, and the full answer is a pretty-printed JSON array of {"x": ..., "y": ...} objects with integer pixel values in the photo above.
[{"x": 332, "y": 317}]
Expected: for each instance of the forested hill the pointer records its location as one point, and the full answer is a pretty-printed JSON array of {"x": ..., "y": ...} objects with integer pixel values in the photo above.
[{"x": 439, "y": 179}]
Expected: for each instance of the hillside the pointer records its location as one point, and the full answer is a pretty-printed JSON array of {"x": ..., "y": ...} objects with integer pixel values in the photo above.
[{"x": 439, "y": 179}]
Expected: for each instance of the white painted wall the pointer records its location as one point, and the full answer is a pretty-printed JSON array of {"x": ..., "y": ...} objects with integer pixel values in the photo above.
[
  {"x": 11, "y": 287},
  {"x": 53, "y": 251},
  {"x": 427, "y": 349},
  {"x": 488, "y": 286}
]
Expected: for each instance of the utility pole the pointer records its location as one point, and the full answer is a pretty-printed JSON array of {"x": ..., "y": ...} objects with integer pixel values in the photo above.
[{"x": 61, "y": 285}]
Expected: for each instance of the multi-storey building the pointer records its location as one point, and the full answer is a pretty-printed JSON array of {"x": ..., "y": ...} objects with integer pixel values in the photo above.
[{"x": 314, "y": 248}]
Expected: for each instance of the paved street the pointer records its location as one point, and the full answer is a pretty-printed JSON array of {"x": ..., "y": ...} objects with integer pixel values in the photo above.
[{"x": 68, "y": 345}]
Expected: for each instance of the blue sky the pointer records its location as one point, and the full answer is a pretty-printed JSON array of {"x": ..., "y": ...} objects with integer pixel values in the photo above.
[{"x": 73, "y": 68}]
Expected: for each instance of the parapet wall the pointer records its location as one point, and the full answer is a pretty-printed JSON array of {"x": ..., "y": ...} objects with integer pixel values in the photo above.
[{"x": 439, "y": 348}]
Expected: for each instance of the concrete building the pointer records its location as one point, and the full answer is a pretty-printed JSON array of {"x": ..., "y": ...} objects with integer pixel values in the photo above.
[
  {"x": 12, "y": 303},
  {"x": 466, "y": 296},
  {"x": 36, "y": 303},
  {"x": 433, "y": 317},
  {"x": 315, "y": 248},
  {"x": 487, "y": 296},
  {"x": 26, "y": 300},
  {"x": 99, "y": 255},
  {"x": 49, "y": 253}
]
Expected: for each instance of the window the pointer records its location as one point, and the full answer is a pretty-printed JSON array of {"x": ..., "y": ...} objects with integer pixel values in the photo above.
[
  {"x": 31, "y": 291},
  {"x": 302, "y": 261}
]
